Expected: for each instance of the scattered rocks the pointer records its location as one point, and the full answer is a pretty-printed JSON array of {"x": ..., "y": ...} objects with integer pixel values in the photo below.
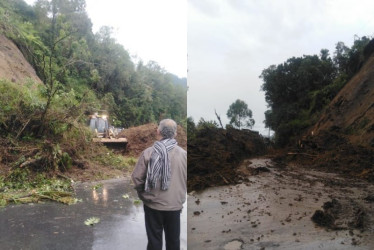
[{"x": 340, "y": 215}]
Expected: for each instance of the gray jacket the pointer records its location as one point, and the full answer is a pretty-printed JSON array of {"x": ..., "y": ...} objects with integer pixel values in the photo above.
[{"x": 168, "y": 200}]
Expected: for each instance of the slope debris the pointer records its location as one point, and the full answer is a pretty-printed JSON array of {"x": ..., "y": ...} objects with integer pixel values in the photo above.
[{"x": 214, "y": 154}]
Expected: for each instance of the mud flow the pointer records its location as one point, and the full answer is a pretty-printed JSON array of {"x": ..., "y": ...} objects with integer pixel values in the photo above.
[{"x": 282, "y": 208}]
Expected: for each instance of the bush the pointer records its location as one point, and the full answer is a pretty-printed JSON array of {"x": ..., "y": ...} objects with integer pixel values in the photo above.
[{"x": 64, "y": 138}]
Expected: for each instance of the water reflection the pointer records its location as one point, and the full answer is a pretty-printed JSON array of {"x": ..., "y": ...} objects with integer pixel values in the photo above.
[
  {"x": 101, "y": 196},
  {"x": 95, "y": 196},
  {"x": 105, "y": 196}
]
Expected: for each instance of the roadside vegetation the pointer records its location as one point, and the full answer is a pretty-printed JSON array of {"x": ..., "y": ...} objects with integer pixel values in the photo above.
[{"x": 44, "y": 139}]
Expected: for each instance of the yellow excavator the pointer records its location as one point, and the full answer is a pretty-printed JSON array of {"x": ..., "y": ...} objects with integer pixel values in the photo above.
[{"x": 104, "y": 133}]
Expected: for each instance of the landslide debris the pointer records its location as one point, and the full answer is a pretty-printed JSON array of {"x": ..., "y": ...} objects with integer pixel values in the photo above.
[
  {"x": 143, "y": 136},
  {"x": 339, "y": 215},
  {"x": 214, "y": 154}
]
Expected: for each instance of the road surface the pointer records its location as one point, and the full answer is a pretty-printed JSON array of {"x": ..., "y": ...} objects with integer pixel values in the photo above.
[{"x": 57, "y": 226}]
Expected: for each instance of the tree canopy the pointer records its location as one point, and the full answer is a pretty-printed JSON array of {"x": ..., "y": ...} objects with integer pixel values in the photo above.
[
  {"x": 56, "y": 38},
  {"x": 240, "y": 115}
]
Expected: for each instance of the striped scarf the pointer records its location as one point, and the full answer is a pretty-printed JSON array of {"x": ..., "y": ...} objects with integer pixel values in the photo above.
[{"x": 159, "y": 164}]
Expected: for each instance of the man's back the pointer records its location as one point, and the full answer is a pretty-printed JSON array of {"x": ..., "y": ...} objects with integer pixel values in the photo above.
[{"x": 173, "y": 198}]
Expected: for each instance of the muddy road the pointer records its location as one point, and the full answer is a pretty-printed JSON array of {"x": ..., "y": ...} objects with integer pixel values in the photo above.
[
  {"x": 58, "y": 226},
  {"x": 273, "y": 210}
]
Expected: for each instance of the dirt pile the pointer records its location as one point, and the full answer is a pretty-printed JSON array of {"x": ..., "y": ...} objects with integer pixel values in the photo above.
[
  {"x": 214, "y": 154},
  {"x": 142, "y": 137},
  {"x": 13, "y": 65}
]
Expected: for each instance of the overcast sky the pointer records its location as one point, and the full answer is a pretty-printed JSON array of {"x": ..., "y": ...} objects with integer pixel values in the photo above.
[
  {"x": 230, "y": 42},
  {"x": 149, "y": 29}
]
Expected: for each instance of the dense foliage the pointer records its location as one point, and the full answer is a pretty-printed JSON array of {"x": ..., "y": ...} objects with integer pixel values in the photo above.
[
  {"x": 297, "y": 90},
  {"x": 57, "y": 39}
]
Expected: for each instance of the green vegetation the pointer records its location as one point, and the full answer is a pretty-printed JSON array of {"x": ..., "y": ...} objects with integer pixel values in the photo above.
[
  {"x": 240, "y": 115},
  {"x": 57, "y": 39},
  {"x": 21, "y": 186},
  {"x": 299, "y": 89},
  {"x": 43, "y": 126},
  {"x": 137, "y": 202},
  {"x": 116, "y": 161},
  {"x": 91, "y": 221}
]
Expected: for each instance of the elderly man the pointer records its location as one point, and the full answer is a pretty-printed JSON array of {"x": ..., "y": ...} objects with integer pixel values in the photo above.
[{"x": 160, "y": 178}]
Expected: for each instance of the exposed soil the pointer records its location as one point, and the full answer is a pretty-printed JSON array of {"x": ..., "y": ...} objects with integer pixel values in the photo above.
[
  {"x": 343, "y": 138},
  {"x": 333, "y": 152},
  {"x": 13, "y": 65},
  {"x": 142, "y": 137},
  {"x": 351, "y": 112},
  {"x": 274, "y": 208},
  {"x": 214, "y": 154}
]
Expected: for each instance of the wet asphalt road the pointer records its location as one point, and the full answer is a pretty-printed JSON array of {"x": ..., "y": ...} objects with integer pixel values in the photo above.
[{"x": 57, "y": 226}]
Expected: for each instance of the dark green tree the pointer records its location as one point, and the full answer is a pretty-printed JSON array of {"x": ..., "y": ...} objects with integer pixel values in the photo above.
[{"x": 240, "y": 115}]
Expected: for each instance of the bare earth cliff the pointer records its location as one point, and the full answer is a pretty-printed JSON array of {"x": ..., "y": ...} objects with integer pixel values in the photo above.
[{"x": 13, "y": 65}]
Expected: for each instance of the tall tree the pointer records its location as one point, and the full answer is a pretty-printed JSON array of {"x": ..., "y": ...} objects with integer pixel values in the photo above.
[{"x": 240, "y": 115}]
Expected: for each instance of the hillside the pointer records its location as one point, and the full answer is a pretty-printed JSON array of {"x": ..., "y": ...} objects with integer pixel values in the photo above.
[
  {"x": 342, "y": 140},
  {"x": 13, "y": 65},
  {"x": 351, "y": 112}
]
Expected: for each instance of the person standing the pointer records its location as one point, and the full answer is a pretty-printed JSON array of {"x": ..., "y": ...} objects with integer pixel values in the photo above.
[{"x": 160, "y": 178}]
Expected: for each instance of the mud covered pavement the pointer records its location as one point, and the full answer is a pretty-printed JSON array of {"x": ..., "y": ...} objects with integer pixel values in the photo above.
[
  {"x": 58, "y": 226},
  {"x": 274, "y": 210}
]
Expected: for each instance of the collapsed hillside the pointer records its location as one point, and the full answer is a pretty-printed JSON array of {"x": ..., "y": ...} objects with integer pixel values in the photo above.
[{"x": 343, "y": 138}]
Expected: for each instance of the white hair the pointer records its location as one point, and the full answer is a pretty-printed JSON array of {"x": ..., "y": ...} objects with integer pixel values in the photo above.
[{"x": 167, "y": 128}]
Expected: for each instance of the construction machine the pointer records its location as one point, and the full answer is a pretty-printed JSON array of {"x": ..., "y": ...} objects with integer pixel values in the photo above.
[{"x": 104, "y": 133}]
